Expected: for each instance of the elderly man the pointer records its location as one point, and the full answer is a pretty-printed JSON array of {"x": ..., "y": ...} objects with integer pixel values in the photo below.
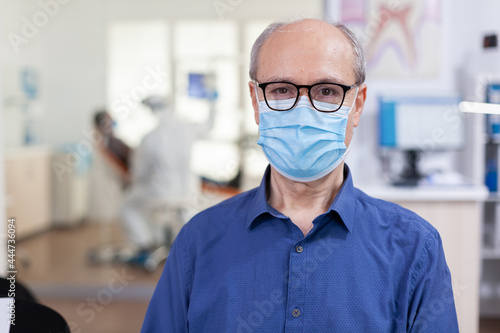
[{"x": 305, "y": 251}]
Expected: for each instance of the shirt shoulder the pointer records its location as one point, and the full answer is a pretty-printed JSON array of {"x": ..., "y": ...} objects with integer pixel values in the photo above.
[
  {"x": 410, "y": 243},
  {"x": 392, "y": 224},
  {"x": 232, "y": 212}
]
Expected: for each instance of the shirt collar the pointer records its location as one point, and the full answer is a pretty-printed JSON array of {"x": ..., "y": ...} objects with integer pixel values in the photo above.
[
  {"x": 259, "y": 205},
  {"x": 343, "y": 204}
]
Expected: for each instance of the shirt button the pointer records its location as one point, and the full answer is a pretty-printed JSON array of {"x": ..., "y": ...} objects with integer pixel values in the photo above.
[
  {"x": 295, "y": 313},
  {"x": 299, "y": 249}
]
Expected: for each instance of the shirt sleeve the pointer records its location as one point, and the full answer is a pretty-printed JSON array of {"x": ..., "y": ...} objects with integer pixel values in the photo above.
[
  {"x": 167, "y": 310},
  {"x": 432, "y": 307}
]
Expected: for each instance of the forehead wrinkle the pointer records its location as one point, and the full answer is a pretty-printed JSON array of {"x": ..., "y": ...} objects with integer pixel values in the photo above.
[
  {"x": 288, "y": 30},
  {"x": 325, "y": 79}
]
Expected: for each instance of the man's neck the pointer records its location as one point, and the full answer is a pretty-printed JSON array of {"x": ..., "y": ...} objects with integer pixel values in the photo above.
[{"x": 303, "y": 202}]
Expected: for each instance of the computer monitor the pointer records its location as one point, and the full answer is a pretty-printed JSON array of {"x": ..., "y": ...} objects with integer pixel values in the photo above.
[{"x": 416, "y": 125}]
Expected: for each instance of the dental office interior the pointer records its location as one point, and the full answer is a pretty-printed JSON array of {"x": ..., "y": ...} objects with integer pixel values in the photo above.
[{"x": 429, "y": 136}]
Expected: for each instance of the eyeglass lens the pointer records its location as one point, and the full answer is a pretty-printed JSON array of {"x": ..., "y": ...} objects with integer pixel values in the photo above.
[{"x": 325, "y": 96}]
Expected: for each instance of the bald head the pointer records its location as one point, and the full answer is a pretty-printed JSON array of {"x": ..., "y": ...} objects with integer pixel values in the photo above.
[{"x": 314, "y": 35}]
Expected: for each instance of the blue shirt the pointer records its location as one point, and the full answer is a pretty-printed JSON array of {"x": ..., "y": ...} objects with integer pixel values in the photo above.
[{"x": 367, "y": 265}]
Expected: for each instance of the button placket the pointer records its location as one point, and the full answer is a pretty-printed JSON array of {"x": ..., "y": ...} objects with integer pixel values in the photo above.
[{"x": 296, "y": 289}]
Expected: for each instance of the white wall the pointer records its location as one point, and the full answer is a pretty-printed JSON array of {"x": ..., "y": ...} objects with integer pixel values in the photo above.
[
  {"x": 74, "y": 64},
  {"x": 70, "y": 50},
  {"x": 487, "y": 18},
  {"x": 460, "y": 35},
  {"x": 29, "y": 53}
]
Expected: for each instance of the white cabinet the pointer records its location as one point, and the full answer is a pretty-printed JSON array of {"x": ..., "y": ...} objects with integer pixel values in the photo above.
[
  {"x": 491, "y": 228},
  {"x": 70, "y": 193},
  {"x": 490, "y": 279},
  {"x": 28, "y": 188}
]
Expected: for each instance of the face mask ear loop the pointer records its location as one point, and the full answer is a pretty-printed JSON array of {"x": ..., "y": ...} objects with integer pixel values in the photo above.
[
  {"x": 350, "y": 143},
  {"x": 256, "y": 91},
  {"x": 354, "y": 101}
]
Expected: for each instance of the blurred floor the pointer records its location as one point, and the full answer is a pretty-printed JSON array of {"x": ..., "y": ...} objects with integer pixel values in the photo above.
[
  {"x": 489, "y": 325},
  {"x": 96, "y": 298},
  {"x": 92, "y": 298},
  {"x": 59, "y": 257},
  {"x": 118, "y": 316}
]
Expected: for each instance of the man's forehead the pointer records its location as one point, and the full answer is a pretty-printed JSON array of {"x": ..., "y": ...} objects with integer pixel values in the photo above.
[
  {"x": 309, "y": 34},
  {"x": 308, "y": 25},
  {"x": 316, "y": 48}
]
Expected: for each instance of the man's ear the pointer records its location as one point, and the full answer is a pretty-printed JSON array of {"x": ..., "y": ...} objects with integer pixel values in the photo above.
[
  {"x": 255, "y": 100},
  {"x": 360, "y": 104}
]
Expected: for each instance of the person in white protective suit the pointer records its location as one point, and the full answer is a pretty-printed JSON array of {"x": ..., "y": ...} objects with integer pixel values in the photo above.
[{"x": 161, "y": 178}]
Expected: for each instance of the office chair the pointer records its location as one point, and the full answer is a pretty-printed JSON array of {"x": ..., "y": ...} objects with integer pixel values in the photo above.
[
  {"x": 31, "y": 316},
  {"x": 21, "y": 291}
]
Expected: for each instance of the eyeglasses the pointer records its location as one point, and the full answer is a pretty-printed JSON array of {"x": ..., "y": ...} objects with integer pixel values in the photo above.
[{"x": 324, "y": 97}]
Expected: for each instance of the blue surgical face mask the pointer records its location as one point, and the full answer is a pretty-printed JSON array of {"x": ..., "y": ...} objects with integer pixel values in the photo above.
[{"x": 303, "y": 144}]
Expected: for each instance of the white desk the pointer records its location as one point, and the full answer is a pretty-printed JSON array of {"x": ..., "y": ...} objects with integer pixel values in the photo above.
[{"x": 456, "y": 212}]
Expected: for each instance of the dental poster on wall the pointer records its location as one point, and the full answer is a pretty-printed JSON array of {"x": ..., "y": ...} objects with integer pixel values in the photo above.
[{"x": 402, "y": 38}]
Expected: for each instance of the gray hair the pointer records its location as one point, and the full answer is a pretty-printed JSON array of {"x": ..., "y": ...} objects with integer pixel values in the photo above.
[{"x": 359, "y": 54}]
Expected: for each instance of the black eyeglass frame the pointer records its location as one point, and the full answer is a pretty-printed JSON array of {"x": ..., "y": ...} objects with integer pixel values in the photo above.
[{"x": 309, "y": 87}]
